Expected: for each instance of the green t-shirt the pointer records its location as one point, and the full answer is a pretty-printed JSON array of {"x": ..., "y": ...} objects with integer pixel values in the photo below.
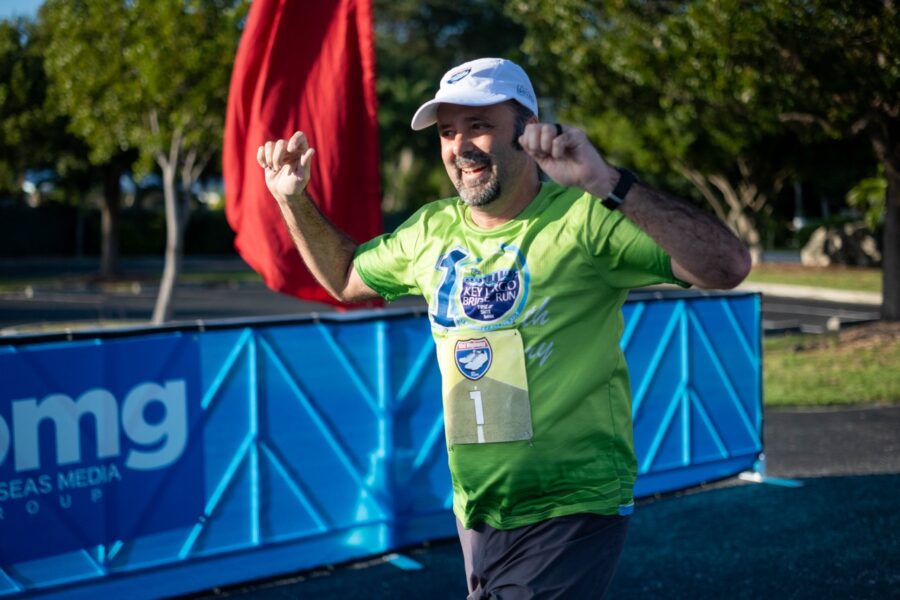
[{"x": 550, "y": 282}]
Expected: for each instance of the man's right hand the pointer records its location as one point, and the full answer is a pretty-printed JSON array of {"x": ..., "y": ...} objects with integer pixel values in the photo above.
[{"x": 286, "y": 163}]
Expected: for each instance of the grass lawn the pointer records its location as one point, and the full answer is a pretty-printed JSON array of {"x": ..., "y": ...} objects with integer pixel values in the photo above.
[
  {"x": 858, "y": 365},
  {"x": 858, "y": 279},
  {"x": 221, "y": 277}
]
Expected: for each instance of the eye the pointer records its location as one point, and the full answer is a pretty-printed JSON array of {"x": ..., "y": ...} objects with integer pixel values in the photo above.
[{"x": 446, "y": 133}]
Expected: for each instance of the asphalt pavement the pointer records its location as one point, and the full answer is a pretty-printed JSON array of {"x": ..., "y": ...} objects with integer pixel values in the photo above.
[{"x": 822, "y": 524}]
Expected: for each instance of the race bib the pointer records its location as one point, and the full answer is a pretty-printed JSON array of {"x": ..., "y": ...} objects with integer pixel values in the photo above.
[{"x": 485, "y": 387}]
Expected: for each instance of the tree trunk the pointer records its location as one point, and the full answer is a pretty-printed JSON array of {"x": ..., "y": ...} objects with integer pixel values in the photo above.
[
  {"x": 79, "y": 229},
  {"x": 743, "y": 201},
  {"x": 886, "y": 143},
  {"x": 747, "y": 232},
  {"x": 890, "y": 265},
  {"x": 162, "y": 312},
  {"x": 109, "y": 221}
]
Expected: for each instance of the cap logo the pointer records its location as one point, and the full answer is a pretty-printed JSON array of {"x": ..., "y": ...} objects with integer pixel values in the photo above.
[
  {"x": 457, "y": 76},
  {"x": 523, "y": 91}
]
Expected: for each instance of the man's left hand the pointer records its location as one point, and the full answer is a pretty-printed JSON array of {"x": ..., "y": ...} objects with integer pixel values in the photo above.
[{"x": 567, "y": 156}]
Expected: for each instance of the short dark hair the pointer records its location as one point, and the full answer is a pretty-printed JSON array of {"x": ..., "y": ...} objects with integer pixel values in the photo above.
[{"x": 523, "y": 114}]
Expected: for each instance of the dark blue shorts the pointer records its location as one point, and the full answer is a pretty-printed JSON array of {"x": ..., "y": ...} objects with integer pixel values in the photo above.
[{"x": 565, "y": 557}]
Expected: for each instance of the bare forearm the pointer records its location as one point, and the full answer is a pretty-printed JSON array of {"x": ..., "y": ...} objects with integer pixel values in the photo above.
[
  {"x": 327, "y": 251},
  {"x": 703, "y": 250}
]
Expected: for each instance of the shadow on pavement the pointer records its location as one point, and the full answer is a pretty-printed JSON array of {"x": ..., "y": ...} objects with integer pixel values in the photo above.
[{"x": 833, "y": 536}]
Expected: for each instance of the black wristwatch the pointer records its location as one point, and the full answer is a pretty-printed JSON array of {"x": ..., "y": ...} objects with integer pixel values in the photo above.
[{"x": 617, "y": 196}]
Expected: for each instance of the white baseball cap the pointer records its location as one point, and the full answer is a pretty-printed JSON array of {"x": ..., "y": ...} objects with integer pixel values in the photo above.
[{"x": 480, "y": 82}]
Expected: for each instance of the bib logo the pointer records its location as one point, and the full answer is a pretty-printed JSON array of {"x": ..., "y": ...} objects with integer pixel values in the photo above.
[
  {"x": 473, "y": 358},
  {"x": 481, "y": 293}
]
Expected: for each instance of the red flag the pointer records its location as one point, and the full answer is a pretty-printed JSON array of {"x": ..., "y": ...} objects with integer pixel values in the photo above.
[{"x": 307, "y": 66}]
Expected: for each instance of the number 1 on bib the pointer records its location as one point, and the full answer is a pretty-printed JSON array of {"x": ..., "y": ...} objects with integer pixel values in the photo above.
[{"x": 479, "y": 414}]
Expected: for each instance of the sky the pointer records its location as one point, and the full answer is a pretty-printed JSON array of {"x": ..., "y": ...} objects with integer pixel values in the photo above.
[{"x": 13, "y": 8}]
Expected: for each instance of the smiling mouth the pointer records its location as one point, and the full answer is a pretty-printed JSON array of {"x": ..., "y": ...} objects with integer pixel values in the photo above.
[{"x": 475, "y": 169}]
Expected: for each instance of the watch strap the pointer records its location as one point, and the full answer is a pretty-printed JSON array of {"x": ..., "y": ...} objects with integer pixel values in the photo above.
[{"x": 616, "y": 197}]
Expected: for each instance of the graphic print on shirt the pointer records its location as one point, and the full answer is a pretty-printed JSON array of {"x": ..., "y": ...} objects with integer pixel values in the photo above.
[
  {"x": 480, "y": 292},
  {"x": 536, "y": 316}
]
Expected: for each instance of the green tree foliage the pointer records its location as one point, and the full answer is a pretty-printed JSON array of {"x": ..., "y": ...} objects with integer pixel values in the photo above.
[
  {"x": 720, "y": 90},
  {"x": 868, "y": 197},
  {"x": 82, "y": 68},
  {"x": 416, "y": 43},
  {"x": 32, "y": 133},
  {"x": 151, "y": 75},
  {"x": 21, "y": 99},
  {"x": 663, "y": 87},
  {"x": 836, "y": 66}
]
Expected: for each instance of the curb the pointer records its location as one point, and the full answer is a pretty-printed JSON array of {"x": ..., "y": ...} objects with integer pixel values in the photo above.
[{"x": 781, "y": 290}]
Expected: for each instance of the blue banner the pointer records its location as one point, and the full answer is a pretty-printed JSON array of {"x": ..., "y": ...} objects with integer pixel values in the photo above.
[
  {"x": 244, "y": 449},
  {"x": 98, "y": 443}
]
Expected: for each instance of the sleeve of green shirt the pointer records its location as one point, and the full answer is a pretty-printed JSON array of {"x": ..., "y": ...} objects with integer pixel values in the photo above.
[
  {"x": 387, "y": 263},
  {"x": 624, "y": 255}
]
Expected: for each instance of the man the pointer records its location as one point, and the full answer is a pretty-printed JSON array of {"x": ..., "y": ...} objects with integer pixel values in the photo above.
[{"x": 525, "y": 281}]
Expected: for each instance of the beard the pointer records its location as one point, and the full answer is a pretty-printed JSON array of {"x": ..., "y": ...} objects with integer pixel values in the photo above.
[
  {"x": 480, "y": 195},
  {"x": 475, "y": 194}
]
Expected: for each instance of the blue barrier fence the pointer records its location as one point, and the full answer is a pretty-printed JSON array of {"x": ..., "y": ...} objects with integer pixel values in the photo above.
[{"x": 145, "y": 463}]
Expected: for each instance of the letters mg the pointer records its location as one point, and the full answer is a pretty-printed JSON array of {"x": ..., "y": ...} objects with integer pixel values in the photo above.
[{"x": 151, "y": 443}]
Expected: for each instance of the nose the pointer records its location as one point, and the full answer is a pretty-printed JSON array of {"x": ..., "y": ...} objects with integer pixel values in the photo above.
[{"x": 460, "y": 143}]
